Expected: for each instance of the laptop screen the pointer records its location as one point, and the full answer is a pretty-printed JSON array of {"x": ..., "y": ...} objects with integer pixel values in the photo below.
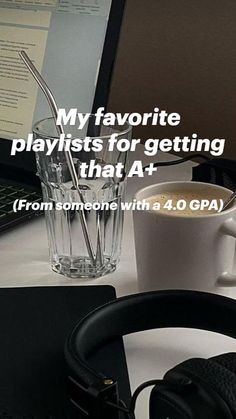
[{"x": 73, "y": 45}]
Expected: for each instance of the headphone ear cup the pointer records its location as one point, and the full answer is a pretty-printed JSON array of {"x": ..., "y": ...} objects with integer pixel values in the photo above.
[
  {"x": 227, "y": 361},
  {"x": 210, "y": 373}
]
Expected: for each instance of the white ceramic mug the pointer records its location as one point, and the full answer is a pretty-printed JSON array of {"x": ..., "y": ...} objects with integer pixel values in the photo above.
[{"x": 184, "y": 252}]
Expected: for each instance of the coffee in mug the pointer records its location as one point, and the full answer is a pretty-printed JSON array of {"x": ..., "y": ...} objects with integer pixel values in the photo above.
[
  {"x": 181, "y": 248},
  {"x": 188, "y": 203}
]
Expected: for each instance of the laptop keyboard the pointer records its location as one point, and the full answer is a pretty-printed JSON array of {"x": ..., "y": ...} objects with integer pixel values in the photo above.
[{"x": 8, "y": 194}]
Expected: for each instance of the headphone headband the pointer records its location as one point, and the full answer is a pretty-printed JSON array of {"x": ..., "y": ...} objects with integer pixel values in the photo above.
[{"x": 160, "y": 309}]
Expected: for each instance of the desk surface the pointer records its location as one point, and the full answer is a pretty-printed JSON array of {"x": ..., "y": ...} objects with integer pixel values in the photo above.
[{"x": 24, "y": 262}]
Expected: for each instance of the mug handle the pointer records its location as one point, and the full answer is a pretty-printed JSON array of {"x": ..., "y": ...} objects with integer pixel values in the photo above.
[{"x": 228, "y": 279}]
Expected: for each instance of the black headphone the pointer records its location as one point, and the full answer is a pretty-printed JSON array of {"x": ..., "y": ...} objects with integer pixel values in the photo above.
[{"x": 195, "y": 389}]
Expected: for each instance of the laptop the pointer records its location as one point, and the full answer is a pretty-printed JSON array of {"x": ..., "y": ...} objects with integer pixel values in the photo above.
[{"x": 73, "y": 44}]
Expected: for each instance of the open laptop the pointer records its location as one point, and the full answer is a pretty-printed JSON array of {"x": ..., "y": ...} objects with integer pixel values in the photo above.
[{"x": 73, "y": 44}]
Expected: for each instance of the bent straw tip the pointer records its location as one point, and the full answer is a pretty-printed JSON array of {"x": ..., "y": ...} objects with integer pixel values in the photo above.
[
  {"x": 24, "y": 56},
  {"x": 22, "y": 53}
]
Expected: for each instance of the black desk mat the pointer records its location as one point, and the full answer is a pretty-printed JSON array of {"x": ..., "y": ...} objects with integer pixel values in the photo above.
[{"x": 34, "y": 324}]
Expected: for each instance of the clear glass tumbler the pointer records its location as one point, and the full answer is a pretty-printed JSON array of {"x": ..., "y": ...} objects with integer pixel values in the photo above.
[{"x": 68, "y": 249}]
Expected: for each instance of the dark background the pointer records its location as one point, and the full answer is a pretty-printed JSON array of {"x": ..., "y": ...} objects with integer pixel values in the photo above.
[{"x": 179, "y": 55}]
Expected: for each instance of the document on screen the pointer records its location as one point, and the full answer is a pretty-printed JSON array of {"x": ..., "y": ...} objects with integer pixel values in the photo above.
[{"x": 19, "y": 30}]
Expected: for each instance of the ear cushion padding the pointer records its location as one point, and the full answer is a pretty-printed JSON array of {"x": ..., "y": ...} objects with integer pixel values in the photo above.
[
  {"x": 227, "y": 361},
  {"x": 212, "y": 374}
]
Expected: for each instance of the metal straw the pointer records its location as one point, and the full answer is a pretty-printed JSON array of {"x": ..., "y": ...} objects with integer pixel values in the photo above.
[
  {"x": 229, "y": 201},
  {"x": 54, "y": 108}
]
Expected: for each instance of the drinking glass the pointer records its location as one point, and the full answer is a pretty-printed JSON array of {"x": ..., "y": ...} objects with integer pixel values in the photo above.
[{"x": 68, "y": 249}]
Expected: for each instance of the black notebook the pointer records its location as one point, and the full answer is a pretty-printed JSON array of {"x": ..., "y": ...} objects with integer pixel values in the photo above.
[{"x": 34, "y": 324}]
